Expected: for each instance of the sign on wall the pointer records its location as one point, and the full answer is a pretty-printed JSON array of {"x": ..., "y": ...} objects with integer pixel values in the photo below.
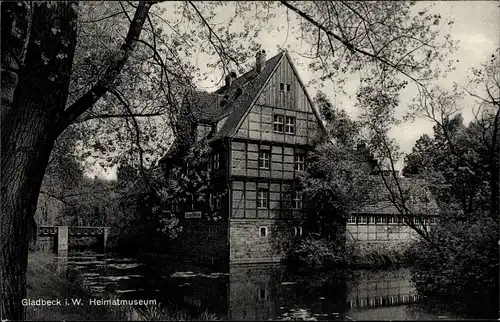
[{"x": 192, "y": 214}]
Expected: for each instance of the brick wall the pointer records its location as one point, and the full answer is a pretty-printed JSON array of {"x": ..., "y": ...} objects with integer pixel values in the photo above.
[
  {"x": 202, "y": 242},
  {"x": 247, "y": 246}
]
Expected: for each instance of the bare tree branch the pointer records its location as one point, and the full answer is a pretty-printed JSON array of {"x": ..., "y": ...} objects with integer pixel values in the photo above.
[{"x": 113, "y": 70}]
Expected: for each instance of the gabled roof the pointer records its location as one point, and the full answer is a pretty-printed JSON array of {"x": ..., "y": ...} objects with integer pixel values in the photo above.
[
  {"x": 205, "y": 106},
  {"x": 419, "y": 199},
  {"x": 234, "y": 101},
  {"x": 250, "y": 84}
]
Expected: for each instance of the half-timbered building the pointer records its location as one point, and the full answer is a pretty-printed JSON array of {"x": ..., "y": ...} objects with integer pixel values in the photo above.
[{"x": 260, "y": 127}]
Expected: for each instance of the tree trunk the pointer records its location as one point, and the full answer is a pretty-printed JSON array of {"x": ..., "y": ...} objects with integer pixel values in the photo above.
[
  {"x": 29, "y": 130},
  {"x": 33, "y": 121}
]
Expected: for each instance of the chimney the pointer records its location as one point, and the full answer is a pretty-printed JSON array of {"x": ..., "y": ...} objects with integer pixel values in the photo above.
[
  {"x": 260, "y": 60},
  {"x": 230, "y": 78}
]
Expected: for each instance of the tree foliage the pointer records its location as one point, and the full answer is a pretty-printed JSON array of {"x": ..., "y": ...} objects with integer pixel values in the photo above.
[
  {"x": 118, "y": 70},
  {"x": 461, "y": 162}
]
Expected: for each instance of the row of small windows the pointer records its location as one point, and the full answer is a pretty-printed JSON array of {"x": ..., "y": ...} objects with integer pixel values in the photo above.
[
  {"x": 387, "y": 220},
  {"x": 284, "y": 124},
  {"x": 382, "y": 301},
  {"x": 264, "y": 232},
  {"x": 263, "y": 199}
]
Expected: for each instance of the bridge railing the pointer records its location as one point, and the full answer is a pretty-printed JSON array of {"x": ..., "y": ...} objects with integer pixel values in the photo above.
[{"x": 61, "y": 234}]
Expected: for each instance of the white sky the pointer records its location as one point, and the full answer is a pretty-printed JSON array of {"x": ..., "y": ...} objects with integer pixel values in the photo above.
[{"x": 476, "y": 26}]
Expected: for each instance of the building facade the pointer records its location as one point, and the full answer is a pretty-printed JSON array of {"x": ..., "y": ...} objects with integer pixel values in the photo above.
[
  {"x": 378, "y": 227},
  {"x": 259, "y": 127}
]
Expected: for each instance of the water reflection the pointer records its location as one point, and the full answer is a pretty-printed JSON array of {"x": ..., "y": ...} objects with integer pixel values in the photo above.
[{"x": 255, "y": 292}]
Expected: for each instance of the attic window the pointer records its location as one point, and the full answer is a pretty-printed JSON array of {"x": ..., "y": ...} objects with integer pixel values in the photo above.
[
  {"x": 282, "y": 86},
  {"x": 288, "y": 87}
]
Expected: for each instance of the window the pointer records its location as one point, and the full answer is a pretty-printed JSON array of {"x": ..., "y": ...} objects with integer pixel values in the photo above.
[
  {"x": 393, "y": 220},
  {"x": 264, "y": 159},
  {"x": 290, "y": 125},
  {"x": 299, "y": 162},
  {"x": 288, "y": 87},
  {"x": 263, "y": 231},
  {"x": 362, "y": 219},
  {"x": 218, "y": 200},
  {"x": 297, "y": 231},
  {"x": 371, "y": 220},
  {"x": 278, "y": 124},
  {"x": 215, "y": 163},
  {"x": 351, "y": 220},
  {"x": 211, "y": 200},
  {"x": 282, "y": 86},
  {"x": 383, "y": 220},
  {"x": 215, "y": 200},
  {"x": 189, "y": 202},
  {"x": 297, "y": 200},
  {"x": 262, "y": 293},
  {"x": 263, "y": 198}
]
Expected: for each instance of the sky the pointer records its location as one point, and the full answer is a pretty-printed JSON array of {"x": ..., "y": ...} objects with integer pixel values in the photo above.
[{"x": 476, "y": 26}]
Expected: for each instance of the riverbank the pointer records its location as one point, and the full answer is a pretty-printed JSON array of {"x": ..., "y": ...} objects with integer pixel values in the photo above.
[{"x": 46, "y": 282}]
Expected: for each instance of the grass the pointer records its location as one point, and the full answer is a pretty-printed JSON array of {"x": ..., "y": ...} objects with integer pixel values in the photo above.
[{"x": 44, "y": 282}]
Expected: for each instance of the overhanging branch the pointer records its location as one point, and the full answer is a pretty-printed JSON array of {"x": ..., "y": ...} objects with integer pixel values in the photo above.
[{"x": 114, "y": 68}]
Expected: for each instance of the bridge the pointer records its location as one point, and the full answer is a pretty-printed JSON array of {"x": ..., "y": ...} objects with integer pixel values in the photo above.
[{"x": 61, "y": 235}]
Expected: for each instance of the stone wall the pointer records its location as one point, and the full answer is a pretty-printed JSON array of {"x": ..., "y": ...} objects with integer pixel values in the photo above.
[
  {"x": 202, "y": 242},
  {"x": 248, "y": 246}
]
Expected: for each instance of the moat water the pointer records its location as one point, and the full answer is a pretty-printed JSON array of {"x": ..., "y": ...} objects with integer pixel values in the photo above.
[{"x": 254, "y": 292}]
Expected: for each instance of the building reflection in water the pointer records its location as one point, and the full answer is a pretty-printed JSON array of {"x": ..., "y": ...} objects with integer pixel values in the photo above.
[
  {"x": 382, "y": 295},
  {"x": 263, "y": 292}
]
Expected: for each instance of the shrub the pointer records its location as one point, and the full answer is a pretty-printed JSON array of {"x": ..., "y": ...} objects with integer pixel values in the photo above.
[
  {"x": 465, "y": 268},
  {"x": 315, "y": 251}
]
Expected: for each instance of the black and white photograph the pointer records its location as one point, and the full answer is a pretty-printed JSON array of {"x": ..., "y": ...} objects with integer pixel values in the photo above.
[{"x": 250, "y": 160}]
